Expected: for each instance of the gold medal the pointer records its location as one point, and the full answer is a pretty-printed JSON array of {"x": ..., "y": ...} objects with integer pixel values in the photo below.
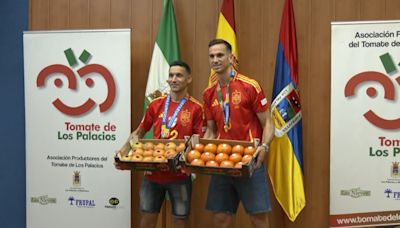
[
  {"x": 164, "y": 132},
  {"x": 226, "y": 128}
]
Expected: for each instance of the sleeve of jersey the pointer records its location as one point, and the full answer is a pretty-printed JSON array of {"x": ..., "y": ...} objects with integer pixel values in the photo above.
[
  {"x": 207, "y": 105},
  {"x": 148, "y": 117},
  {"x": 260, "y": 103}
]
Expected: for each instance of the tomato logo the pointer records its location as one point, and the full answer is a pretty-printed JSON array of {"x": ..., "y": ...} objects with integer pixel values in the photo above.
[
  {"x": 387, "y": 85},
  {"x": 83, "y": 72}
]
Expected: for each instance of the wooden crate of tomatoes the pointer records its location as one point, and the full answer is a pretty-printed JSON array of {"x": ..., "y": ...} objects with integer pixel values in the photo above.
[
  {"x": 223, "y": 157},
  {"x": 150, "y": 154}
]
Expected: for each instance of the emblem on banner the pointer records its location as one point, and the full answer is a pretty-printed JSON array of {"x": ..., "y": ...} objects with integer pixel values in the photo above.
[
  {"x": 395, "y": 170},
  {"x": 76, "y": 179},
  {"x": 389, "y": 90},
  {"x": 286, "y": 110},
  {"x": 83, "y": 72}
]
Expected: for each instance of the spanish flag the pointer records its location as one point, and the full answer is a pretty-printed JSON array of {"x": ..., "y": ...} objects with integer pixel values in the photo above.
[
  {"x": 285, "y": 163},
  {"x": 227, "y": 30}
]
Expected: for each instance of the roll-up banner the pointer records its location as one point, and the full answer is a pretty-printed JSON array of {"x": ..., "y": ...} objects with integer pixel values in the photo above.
[
  {"x": 365, "y": 124},
  {"x": 77, "y": 111}
]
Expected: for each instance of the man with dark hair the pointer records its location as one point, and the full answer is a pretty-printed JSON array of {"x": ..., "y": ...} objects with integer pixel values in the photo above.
[
  {"x": 172, "y": 116},
  {"x": 236, "y": 108}
]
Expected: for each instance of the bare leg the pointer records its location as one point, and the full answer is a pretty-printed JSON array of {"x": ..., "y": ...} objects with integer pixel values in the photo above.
[
  {"x": 179, "y": 222},
  {"x": 259, "y": 220},
  {"x": 222, "y": 220},
  {"x": 148, "y": 220}
]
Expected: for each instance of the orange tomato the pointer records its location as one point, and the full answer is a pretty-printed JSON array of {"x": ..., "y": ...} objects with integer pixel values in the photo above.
[
  {"x": 147, "y": 159},
  {"x": 246, "y": 158},
  {"x": 224, "y": 148},
  {"x": 148, "y": 146},
  {"x": 249, "y": 150},
  {"x": 170, "y": 153},
  {"x": 193, "y": 154},
  {"x": 199, "y": 147},
  {"x": 198, "y": 162},
  {"x": 212, "y": 163},
  {"x": 227, "y": 164},
  {"x": 159, "y": 159},
  {"x": 211, "y": 147},
  {"x": 136, "y": 157},
  {"x": 138, "y": 151},
  {"x": 238, "y": 149},
  {"x": 170, "y": 145},
  {"x": 137, "y": 145},
  {"x": 158, "y": 152},
  {"x": 148, "y": 153},
  {"x": 221, "y": 157},
  {"x": 238, "y": 165},
  {"x": 159, "y": 146},
  {"x": 235, "y": 158},
  {"x": 180, "y": 147},
  {"x": 207, "y": 156}
]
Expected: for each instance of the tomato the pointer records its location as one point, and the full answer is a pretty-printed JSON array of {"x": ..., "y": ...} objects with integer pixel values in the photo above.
[
  {"x": 224, "y": 148},
  {"x": 159, "y": 146},
  {"x": 199, "y": 147},
  {"x": 238, "y": 149},
  {"x": 246, "y": 158},
  {"x": 221, "y": 157},
  {"x": 170, "y": 153},
  {"x": 180, "y": 147},
  {"x": 235, "y": 158},
  {"x": 170, "y": 145},
  {"x": 211, "y": 147},
  {"x": 227, "y": 164},
  {"x": 207, "y": 156},
  {"x": 212, "y": 163},
  {"x": 148, "y": 146},
  {"x": 249, "y": 150},
  {"x": 193, "y": 154},
  {"x": 158, "y": 153},
  {"x": 198, "y": 162}
]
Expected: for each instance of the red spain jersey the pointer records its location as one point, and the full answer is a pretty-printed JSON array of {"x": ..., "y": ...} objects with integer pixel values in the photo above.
[
  {"x": 190, "y": 120},
  {"x": 246, "y": 99}
]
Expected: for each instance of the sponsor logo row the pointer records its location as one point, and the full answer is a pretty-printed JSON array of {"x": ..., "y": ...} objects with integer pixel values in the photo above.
[{"x": 74, "y": 201}]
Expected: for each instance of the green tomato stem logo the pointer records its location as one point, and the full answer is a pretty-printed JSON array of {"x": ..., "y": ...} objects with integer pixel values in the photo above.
[{"x": 72, "y": 83}]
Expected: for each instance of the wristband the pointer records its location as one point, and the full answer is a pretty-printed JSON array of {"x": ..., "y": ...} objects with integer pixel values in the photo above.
[{"x": 266, "y": 147}]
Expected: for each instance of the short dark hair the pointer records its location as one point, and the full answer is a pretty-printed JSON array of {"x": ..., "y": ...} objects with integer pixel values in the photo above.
[
  {"x": 220, "y": 41},
  {"x": 181, "y": 64}
]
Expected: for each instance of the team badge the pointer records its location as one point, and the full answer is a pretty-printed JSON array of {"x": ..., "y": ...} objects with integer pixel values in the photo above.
[
  {"x": 236, "y": 98},
  {"x": 185, "y": 117}
]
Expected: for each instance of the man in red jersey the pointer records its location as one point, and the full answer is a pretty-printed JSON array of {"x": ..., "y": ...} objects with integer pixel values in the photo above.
[
  {"x": 236, "y": 108},
  {"x": 172, "y": 117}
]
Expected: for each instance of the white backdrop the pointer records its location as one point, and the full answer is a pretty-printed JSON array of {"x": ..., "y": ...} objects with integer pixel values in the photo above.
[
  {"x": 365, "y": 139},
  {"x": 70, "y": 177}
]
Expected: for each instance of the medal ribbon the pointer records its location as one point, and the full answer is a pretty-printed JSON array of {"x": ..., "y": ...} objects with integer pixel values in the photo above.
[
  {"x": 164, "y": 125},
  {"x": 225, "y": 104}
]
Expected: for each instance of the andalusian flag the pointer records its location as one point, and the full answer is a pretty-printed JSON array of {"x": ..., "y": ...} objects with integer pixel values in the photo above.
[
  {"x": 285, "y": 163},
  {"x": 166, "y": 50},
  {"x": 227, "y": 30}
]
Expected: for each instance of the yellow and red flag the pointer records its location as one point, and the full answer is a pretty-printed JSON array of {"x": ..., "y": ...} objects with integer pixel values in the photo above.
[{"x": 227, "y": 30}]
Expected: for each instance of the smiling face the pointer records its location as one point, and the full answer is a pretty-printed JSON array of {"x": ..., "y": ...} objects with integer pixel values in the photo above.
[
  {"x": 220, "y": 58},
  {"x": 178, "y": 79}
]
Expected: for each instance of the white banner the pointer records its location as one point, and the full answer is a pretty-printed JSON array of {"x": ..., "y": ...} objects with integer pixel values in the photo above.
[
  {"x": 365, "y": 124},
  {"x": 77, "y": 112}
]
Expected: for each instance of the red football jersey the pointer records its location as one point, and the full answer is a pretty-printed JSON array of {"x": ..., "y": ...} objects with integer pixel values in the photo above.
[
  {"x": 190, "y": 120},
  {"x": 246, "y": 99}
]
